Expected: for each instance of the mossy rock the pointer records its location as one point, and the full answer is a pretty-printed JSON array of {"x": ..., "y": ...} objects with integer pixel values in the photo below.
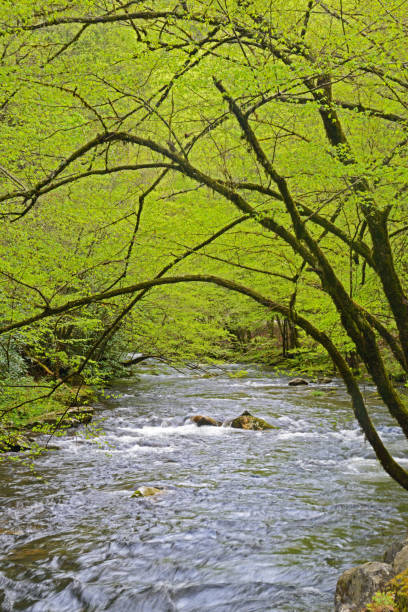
[
  {"x": 247, "y": 421},
  {"x": 146, "y": 492}
]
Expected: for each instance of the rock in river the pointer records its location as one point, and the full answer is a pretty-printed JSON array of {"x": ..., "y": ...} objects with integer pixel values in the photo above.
[
  {"x": 201, "y": 420},
  {"x": 296, "y": 382},
  {"x": 247, "y": 421},
  {"x": 146, "y": 492}
]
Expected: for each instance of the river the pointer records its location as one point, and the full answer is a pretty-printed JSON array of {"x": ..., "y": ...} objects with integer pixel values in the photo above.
[{"x": 248, "y": 521}]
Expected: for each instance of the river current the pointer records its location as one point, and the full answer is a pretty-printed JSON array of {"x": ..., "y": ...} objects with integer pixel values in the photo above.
[{"x": 248, "y": 521}]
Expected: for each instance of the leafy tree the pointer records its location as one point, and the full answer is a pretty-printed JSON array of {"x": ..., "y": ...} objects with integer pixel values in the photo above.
[{"x": 258, "y": 146}]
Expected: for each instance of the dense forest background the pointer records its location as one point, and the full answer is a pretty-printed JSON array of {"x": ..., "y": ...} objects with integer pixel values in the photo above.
[{"x": 176, "y": 177}]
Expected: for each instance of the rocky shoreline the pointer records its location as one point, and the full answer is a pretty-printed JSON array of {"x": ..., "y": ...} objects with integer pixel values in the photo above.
[
  {"x": 23, "y": 439},
  {"x": 358, "y": 585}
]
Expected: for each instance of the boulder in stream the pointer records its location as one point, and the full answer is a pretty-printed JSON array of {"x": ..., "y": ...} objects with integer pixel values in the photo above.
[
  {"x": 201, "y": 420},
  {"x": 297, "y": 382},
  {"x": 247, "y": 421}
]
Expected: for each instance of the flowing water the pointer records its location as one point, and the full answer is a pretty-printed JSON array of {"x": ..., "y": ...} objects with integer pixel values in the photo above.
[{"x": 248, "y": 521}]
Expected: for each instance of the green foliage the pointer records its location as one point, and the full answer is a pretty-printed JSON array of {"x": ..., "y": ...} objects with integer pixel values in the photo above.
[
  {"x": 383, "y": 602},
  {"x": 28, "y": 393},
  {"x": 259, "y": 146},
  {"x": 12, "y": 364},
  {"x": 399, "y": 586},
  {"x": 394, "y": 599}
]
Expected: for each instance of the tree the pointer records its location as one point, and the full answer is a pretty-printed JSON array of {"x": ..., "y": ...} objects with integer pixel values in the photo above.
[{"x": 243, "y": 143}]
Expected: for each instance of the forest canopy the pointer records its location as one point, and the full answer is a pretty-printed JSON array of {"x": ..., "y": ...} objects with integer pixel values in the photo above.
[{"x": 169, "y": 169}]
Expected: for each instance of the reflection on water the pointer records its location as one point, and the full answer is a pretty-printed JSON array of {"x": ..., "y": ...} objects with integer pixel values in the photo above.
[{"x": 249, "y": 521}]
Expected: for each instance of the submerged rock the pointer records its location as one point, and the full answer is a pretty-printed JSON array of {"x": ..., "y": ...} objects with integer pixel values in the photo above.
[
  {"x": 13, "y": 532},
  {"x": 201, "y": 420},
  {"x": 247, "y": 421},
  {"x": 146, "y": 492},
  {"x": 296, "y": 382},
  {"x": 357, "y": 586}
]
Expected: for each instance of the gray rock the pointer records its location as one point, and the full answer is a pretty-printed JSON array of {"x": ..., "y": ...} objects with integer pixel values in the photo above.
[
  {"x": 395, "y": 547},
  {"x": 401, "y": 559},
  {"x": 357, "y": 586},
  {"x": 296, "y": 382}
]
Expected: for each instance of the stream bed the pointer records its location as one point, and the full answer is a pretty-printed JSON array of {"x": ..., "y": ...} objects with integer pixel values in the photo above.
[{"x": 248, "y": 521}]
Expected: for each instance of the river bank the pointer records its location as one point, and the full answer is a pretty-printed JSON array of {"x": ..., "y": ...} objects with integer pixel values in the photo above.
[
  {"x": 376, "y": 586},
  {"x": 39, "y": 414}
]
